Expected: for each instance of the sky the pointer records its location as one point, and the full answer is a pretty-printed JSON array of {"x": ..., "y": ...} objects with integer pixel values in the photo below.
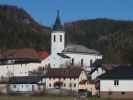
[{"x": 44, "y": 11}]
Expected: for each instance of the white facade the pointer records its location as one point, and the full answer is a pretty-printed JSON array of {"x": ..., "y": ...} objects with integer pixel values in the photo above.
[
  {"x": 17, "y": 69},
  {"x": 57, "y": 41},
  {"x": 55, "y": 61},
  {"x": 84, "y": 60},
  {"x": 68, "y": 83},
  {"x": 123, "y": 86}
]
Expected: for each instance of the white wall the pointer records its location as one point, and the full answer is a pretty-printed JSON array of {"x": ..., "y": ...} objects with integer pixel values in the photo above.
[
  {"x": 56, "y": 61},
  {"x": 86, "y": 59},
  {"x": 17, "y": 69},
  {"x": 124, "y": 85}
]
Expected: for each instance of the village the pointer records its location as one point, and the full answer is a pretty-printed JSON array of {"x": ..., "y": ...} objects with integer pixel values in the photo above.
[{"x": 69, "y": 70}]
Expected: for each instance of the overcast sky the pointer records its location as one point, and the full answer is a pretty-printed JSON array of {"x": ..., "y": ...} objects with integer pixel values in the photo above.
[{"x": 44, "y": 11}]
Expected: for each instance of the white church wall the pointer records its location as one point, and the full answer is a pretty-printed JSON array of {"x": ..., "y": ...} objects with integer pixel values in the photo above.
[
  {"x": 57, "y": 41},
  {"x": 87, "y": 59}
]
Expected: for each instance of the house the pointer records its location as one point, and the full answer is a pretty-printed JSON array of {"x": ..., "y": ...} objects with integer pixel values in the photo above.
[
  {"x": 71, "y": 78},
  {"x": 63, "y": 54},
  {"x": 25, "y": 85},
  {"x": 18, "y": 62},
  {"x": 66, "y": 78},
  {"x": 117, "y": 83}
]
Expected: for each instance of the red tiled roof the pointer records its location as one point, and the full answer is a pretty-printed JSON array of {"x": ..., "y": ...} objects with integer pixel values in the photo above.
[
  {"x": 42, "y": 54},
  {"x": 63, "y": 72},
  {"x": 24, "y": 53}
]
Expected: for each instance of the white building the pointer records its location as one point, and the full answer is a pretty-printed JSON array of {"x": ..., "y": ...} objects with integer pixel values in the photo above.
[
  {"x": 18, "y": 62},
  {"x": 71, "y": 79},
  {"x": 117, "y": 83},
  {"x": 77, "y": 55}
]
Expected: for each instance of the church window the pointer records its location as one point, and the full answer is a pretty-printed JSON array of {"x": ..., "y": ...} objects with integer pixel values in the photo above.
[
  {"x": 72, "y": 61},
  {"x": 60, "y": 38},
  {"x": 54, "y": 38},
  {"x": 82, "y": 62}
]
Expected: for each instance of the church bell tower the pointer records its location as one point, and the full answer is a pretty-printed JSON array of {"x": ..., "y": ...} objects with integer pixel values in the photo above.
[{"x": 57, "y": 36}]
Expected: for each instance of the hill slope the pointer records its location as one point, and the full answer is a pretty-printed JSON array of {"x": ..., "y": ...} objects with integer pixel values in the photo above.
[{"x": 18, "y": 30}]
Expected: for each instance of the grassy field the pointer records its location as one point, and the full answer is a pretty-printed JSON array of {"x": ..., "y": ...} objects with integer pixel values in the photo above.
[
  {"x": 49, "y": 98},
  {"x": 35, "y": 98}
]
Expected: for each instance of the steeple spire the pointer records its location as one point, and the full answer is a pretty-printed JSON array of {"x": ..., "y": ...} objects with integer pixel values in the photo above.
[{"x": 58, "y": 26}]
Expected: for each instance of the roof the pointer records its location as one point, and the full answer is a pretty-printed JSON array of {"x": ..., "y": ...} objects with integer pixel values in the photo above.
[
  {"x": 25, "y": 53},
  {"x": 42, "y": 54},
  {"x": 57, "y": 26},
  {"x": 63, "y": 55},
  {"x": 63, "y": 72},
  {"x": 121, "y": 72},
  {"x": 24, "y": 80},
  {"x": 79, "y": 49}
]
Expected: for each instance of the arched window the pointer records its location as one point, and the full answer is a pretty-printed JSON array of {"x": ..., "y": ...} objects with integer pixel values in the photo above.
[
  {"x": 82, "y": 62},
  {"x": 72, "y": 61},
  {"x": 60, "y": 38},
  {"x": 54, "y": 38},
  {"x": 90, "y": 62}
]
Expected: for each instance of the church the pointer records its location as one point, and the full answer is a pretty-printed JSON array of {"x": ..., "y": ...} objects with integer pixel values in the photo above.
[{"x": 63, "y": 55}]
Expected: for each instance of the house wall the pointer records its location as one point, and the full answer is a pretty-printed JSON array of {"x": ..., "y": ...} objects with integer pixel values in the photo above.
[
  {"x": 124, "y": 85},
  {"x": 3, "y": 88},
  {"x": 67, "y": 82},
  {"x": 87, "y": 58},
  {"x": 17, "y": 69}
]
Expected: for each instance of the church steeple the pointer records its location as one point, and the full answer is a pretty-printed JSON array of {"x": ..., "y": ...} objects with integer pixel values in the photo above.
[{"x": 58, "y": 26}]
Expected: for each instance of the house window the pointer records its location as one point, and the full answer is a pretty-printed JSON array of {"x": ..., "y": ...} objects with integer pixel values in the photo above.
[
  {"x": 60, "y": 38},
  {"x": 72, "y": 61},
  {"x": 50, "y": 85},
  {"x": 74, "y": 85},
  {"x": 64, "y": 85},
  {"x": 116, "y": 82},
  {"x": 54, "y": 38},
  {"x": 82, "y": 62}
]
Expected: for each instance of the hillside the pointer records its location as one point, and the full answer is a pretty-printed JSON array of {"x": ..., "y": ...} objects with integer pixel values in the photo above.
[
  {"x": 114, "y": 39},
  {"x": 19, "y": 30}
]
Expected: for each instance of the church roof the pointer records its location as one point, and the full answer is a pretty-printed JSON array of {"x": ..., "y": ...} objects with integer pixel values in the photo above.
[
  {"x": 79, "y": 49},
  {"x": 57, "y": 26},
  {"x": 63, "y": 55}
]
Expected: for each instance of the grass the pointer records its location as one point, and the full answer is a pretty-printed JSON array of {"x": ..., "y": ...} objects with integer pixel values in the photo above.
[{"x": 49, "y": 97}]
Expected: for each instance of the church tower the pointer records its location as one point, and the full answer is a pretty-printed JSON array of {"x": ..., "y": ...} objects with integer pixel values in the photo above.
[{"x": 57, "y": 36}]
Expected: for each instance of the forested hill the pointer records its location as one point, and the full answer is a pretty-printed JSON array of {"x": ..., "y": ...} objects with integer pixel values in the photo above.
[
  {"x": 114, "y": 39},
  {"x": 19, "y": 30}
]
